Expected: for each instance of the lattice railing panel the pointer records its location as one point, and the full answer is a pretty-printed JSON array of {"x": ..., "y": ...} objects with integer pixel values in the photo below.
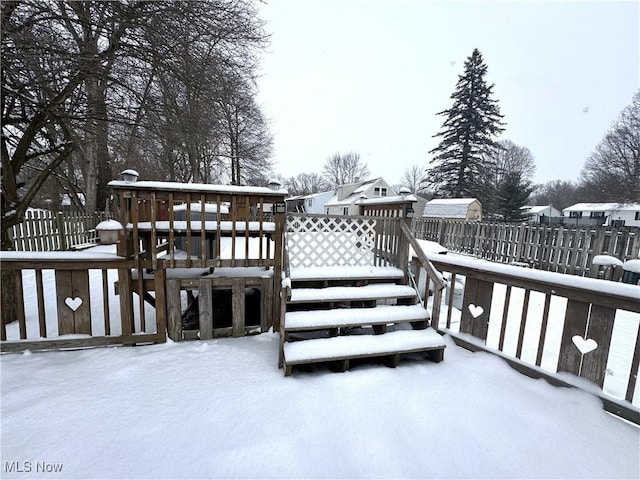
[{"x": 320, "y": 241}]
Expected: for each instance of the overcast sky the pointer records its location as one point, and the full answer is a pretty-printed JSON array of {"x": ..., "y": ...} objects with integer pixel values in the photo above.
[{"x": 369, "y": 76}]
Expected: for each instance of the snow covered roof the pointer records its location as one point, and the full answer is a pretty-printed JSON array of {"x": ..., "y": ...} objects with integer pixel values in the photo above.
[
  {"x": 395, "y": 199},
  {"x": 448, "y": 207},
  {"x": 314, "y": 195},
  {"x": 601, "y": 207},
  {"x": 197, "y": 187},
  {"x": 535, "y": 208}
]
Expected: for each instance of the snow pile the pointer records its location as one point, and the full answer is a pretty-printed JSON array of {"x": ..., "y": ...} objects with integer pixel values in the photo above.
[
  {"x": 607, "y": 260},
  {"x": 222, "y": 409},
  {"x": 108, "y": 225},
  {"x": 632, "y": 266}
]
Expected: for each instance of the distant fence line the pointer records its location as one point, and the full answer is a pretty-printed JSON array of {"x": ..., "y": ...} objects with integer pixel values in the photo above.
[
  {"x": 557, "y": 248},
  {"x": 44, "y": 231}
]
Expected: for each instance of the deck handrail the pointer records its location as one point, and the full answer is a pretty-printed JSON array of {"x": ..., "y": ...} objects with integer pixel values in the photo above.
[{"x": 591, "y": 312}]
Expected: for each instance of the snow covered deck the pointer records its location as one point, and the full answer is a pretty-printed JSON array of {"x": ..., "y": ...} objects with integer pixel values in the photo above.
[{"x": 470, "y": 416}]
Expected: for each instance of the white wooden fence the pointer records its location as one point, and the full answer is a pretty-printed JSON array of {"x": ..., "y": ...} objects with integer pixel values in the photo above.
[{"x": 44, "y": 231}]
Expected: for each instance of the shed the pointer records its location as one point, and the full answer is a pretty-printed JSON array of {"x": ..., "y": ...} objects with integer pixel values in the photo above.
[{"x": 463, "y": 209}]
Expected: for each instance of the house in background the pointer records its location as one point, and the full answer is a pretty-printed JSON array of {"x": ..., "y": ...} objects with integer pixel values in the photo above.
[
  {"x": 345, "y": 201},
  {"x": 603, "y": 214},
  {"x": 313, "y": 203},
  {"x": 540, "y": 214},
  {"x": 462, "y": 209},
  {"x": 295, "y": 203}
]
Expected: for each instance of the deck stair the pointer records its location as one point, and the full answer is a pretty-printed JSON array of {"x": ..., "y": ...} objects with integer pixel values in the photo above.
[{"x": 339, "y": 314}]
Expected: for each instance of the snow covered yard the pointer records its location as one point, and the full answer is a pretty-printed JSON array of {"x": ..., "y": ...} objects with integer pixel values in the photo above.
[{"x": 222, "y": 409}]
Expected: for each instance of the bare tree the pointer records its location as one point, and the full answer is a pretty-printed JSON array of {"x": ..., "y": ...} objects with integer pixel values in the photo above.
[
  {"x": 612, "y": 171},
  {"x": 341, "y": 169},
  {"x": 512, "y": 159},
  {"x": 306, "y": 184},
  {"x": 558, "y": 193},
  {"x": 414, "y": 178}
]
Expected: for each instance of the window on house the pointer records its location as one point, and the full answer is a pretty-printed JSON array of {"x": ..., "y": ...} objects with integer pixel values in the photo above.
[
  {"x": 310, "y": 203},
  {"x": 575, "y": 214},
  {"x": 596, "y": 215},
  {"x": 345, "y": 211},
  {"x": 379, "y": 192},
  {"x": 637, "y": 215}
]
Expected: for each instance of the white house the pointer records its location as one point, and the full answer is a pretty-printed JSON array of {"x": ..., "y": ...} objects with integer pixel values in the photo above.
[
  {"x": 345, "y": 201},
  {"x": 315, "y": 202},
  {"x": 536, "y": 214},
  {"x": 467, "y": 209},
  {"x": 605, "y": 214}
]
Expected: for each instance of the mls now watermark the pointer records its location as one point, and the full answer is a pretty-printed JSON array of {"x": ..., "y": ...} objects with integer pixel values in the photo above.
[{"x": 35, "y": 467}]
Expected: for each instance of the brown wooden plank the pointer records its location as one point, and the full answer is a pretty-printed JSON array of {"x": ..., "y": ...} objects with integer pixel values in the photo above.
[
  {"x": 136, "y": 233},
  {"x": 477, "y": 295},
  {"x": 203, "y": 232},
  {"x": 82, "y": 315},
  {"x": 105, "y": 302},
  {"x": 523, "y": 323},
  {"x": 575, "y": 323},
  {"x": 140, "y": 290},
  {"x": 452, "y": 292},
  {"x": 543, "y": 328},
  {"x": 246, "y": 231},
  {"x": 238, "y": 306},
  {"x": 505, "y": 316},
  {"x": 159, "y": 279},
  {"x": 80, "y": 342},
  {"x": 594, "y": 363},
  {"x": 22, "y": 322},
  {"x": 205, "y": 308},
  {"x": 188, "y": 236},
  {"x": 174, "y": 310},
  {"x": 64, "y": 290},
  {"x": 469, "y": 298},
  {"x": 172, "y": 246},
  {"x": 154, "y": 234},
  {"x": 481, "y": 323},
  {"x": 125, "y": 294},
  {"x": 42, "y": 321},
  {"x": 266, "y": 307}
]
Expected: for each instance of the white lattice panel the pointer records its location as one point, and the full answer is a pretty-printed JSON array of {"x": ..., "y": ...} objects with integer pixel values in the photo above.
[{"x": 330, "y": 241}]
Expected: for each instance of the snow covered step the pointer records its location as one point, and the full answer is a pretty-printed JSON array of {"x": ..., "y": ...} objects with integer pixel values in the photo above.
[
  {"x": 360, "y": 346},
  {"x": 346, "y": 317},
  {"x": 377, "y": 291},
  {"x": 346, "y": 273}
]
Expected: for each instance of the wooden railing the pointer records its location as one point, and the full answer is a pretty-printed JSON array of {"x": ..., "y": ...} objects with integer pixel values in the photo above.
[
  {"x": 79, "y": 311},
  {"x": 545, "y": 322},
  {"x": 189, "y": 225},
  {"x": 556, "y": 248},
  {"x": 45, "y": 231}
]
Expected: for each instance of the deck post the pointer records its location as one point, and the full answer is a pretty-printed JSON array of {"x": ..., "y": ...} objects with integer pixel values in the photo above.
[{"x": 277, "y": 269}]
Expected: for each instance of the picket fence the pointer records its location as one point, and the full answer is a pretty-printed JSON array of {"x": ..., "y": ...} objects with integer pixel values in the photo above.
[
  {"x": 45, "y": 231},
  {"x": 555, "y": 248}
]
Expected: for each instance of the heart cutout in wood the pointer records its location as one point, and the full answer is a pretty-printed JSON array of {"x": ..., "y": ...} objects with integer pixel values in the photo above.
[
  {"x": 584, "y": 345},
  {"x": 475, "y": 310},
  {"x": 73, "y": 303}
]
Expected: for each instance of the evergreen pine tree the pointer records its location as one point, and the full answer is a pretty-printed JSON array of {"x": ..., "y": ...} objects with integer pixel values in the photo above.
[
  {"x": 511, "y": 195},
  {"x": 460, "y": 166}
]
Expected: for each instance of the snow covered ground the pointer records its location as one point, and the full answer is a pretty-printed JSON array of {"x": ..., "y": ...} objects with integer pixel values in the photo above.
[{"x": 222, "y": 409}]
